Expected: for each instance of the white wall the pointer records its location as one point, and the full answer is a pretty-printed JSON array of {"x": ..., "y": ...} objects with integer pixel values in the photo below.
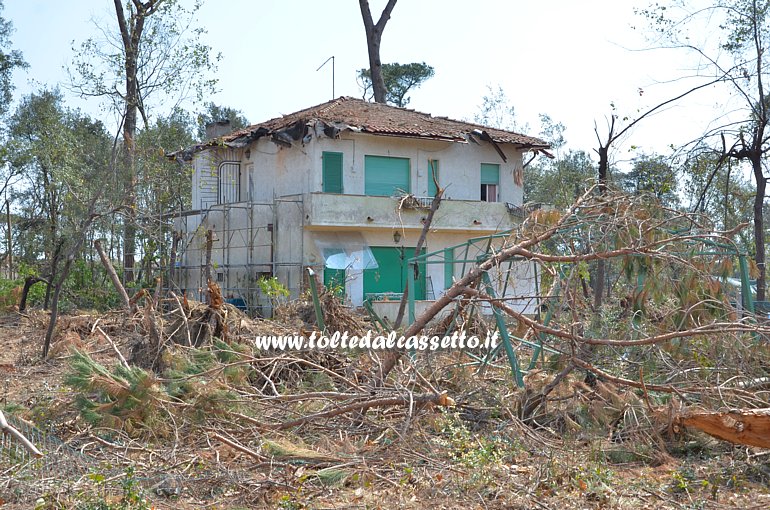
[
  {"x": 459, "y": 164},
  {"x": 270, "y": 172},
  {"x": 280, "y": 171}
]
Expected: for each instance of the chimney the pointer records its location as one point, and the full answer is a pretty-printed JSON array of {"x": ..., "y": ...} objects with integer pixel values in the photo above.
[{"x": 217, "y": 128}]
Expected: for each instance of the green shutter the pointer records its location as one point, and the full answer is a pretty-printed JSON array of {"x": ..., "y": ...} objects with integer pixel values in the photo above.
[
  {"x": 332, "y": 172},
  {"x": 334, "y": 280},
  {"x": 490, "y": 174},
  {"x": 384, "y": 176},
  {"x": 432, "y": 170},
  {"x": 391, "y": 273}
]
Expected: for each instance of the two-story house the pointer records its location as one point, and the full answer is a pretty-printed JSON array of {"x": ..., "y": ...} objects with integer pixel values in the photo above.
[{"x": 324, "y": 187}]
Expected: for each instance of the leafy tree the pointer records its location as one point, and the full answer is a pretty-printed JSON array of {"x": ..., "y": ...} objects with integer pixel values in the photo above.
[
  {"x": 399, "y": 79},
  {"x": 561, "y": 181},
  {"x": 214, "y": 113},
  {"x": 63, "y": 156},
  {"x": 153, "y": 53},
  {"x": 167, "y": 185},
  {"x": 552, "y": 132},
  {"x": 373, "y": 40},
  {"x": 9, "y": 61},
  {"x": 652, "y": 175},
  {"x": 496, "y": 110},
  {"x": 720, "y": 192}
]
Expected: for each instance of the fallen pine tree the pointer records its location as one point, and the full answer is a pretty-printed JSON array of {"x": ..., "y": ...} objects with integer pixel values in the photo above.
[{"x": 749, "y": 427}]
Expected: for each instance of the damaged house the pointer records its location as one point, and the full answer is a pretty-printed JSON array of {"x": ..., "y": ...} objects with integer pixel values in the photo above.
[{"x": 324, "y": 188}]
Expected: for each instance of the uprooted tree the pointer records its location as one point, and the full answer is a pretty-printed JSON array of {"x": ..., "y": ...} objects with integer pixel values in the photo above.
[{"x": 674, "y": 301}]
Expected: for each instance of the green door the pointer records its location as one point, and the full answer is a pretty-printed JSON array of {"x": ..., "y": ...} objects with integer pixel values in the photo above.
[
  {"x": 332, "y": 172},
  {"x": 391, "y": 273},
  {"x": 384, "y": 176}
]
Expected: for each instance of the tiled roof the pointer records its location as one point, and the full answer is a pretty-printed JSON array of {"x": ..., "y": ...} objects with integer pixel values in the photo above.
[{"x": 381, "y": 119}]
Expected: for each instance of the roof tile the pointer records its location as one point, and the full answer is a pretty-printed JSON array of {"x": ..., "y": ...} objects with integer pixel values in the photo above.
[{"x": 382, "y": 119}]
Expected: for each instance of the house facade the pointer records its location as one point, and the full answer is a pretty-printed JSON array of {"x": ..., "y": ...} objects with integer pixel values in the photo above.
[{"x": 345, "y": 188}]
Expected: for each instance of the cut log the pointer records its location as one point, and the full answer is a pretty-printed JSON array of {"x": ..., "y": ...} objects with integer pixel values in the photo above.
[{"x": 750, "y": 427}]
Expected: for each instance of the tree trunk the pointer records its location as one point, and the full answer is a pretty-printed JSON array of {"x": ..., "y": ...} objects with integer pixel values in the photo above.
[
  {"x": 28, "y": 283},
  {"x": 131, "y": 34},
  {"x": 373, "y": 39},
  {"x": 600, "y": 265},
  {"x": 9, "y": 240},
  {"x": 113, "y": 275},
  {"x": 129, "y": 131},
  {"x": 54, "y": 313},
  {"x": 759, "y": 230},
  {"x": 52, "y": 276}
]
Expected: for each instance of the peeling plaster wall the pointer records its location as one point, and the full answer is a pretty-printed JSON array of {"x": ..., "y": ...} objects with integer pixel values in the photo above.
[
  {"x": 459, "y": 164},
  {"x": 274, "y": 171},
  {"x": 277, "y": 181}
]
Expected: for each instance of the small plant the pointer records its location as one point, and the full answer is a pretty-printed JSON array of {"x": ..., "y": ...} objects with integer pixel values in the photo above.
[
  {"x": 97, "y": 496},
  {"x": 481, "y": 455},
  {"x": 681, "y": 481},
  {"x": 273, "y": 289}
]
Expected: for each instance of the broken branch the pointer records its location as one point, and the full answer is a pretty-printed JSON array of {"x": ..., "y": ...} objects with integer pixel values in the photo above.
[
  {"x": 26, "y": 443},
  {"x": 440, "y": 399}
]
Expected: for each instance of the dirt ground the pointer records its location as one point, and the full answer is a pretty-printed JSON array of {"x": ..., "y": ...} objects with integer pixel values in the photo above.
[{"x": 474, "y": 455}]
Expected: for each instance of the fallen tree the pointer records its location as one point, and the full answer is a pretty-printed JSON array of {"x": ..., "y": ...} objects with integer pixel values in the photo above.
[{"x": 750, "y": 427}]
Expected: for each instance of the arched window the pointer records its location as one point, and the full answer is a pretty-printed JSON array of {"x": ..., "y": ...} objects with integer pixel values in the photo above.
[{"x": 229, "y": 182}]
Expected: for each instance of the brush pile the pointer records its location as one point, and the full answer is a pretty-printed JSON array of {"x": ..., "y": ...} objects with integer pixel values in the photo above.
[{"x": 637, "y": 403}]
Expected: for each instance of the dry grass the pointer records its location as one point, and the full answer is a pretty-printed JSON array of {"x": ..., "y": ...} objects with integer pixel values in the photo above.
[{"x": 588, "y": 444}]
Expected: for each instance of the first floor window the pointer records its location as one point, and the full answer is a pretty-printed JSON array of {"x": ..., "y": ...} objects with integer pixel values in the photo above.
[
  {"x": 490, "y": 181},
  {"x": 489, "y": 192},
  {"x": 386, "y": 176},
  {"x": 332, "y": 172}
]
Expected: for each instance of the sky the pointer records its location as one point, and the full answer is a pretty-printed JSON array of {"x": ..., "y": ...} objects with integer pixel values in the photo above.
[{"x": 569, "y": 59}]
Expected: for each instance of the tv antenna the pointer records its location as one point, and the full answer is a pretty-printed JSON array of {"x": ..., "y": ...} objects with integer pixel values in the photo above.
[{"x": 319, "y": 68}]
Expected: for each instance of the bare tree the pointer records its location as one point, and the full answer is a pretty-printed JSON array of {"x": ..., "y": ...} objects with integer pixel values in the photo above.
[
  {"x": 373, "y": 39},
  {"x": 613, "y": 135},
  {"x": 155, "y": 52},
  {"x": 740, "y": 30}
]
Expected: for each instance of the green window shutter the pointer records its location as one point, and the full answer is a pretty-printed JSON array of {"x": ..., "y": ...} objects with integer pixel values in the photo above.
[
  {"x": 383, "y": 176},
  {"x": 449, "y": 267},
  {"x": 332, "y": 172},
  {"x": 490, "y": 174},
  {"x": 432, "y": 170},
  {"x": 334, "y": 279}
]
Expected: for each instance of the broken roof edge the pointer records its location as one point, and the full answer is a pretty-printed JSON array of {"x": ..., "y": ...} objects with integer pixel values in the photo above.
[{"x": 373, "y": 118}]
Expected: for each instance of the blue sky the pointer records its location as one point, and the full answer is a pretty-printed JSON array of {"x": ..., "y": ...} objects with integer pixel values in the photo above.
[{"x": 565, "y": 58}]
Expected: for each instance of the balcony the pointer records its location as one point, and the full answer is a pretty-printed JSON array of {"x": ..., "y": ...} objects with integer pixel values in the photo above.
[{"x": 328, "y": 210}]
